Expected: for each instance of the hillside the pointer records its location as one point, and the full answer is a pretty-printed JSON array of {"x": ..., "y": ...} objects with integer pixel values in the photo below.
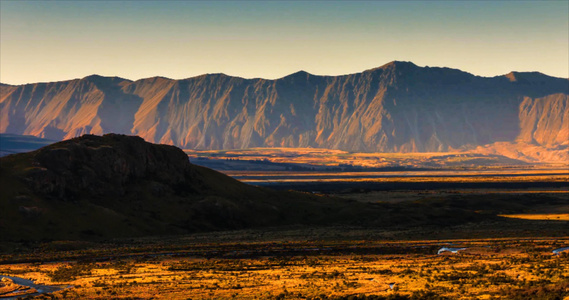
[
  {"x": 95, "y": 187},
  {"x": 398, "y": 107}
]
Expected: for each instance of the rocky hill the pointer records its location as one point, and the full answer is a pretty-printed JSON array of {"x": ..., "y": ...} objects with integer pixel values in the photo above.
[
  {"x": 118, "y": 185},
  {"x": 398, "y": 107},
  {"x": 95, "y": 187}
]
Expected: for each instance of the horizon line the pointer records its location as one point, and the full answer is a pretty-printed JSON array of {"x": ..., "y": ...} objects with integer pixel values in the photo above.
[{"x": 278, "y": 78}]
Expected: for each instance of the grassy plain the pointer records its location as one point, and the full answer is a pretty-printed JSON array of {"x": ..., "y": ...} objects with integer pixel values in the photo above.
[
  {"x": 505, "y": 268},
  {"x": 558, "y": 217},
  {"x": 330, "y": 158},
  {"x": 507, "y": 176}
]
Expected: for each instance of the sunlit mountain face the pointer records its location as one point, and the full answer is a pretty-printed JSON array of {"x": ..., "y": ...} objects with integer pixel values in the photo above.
[{"x": 398, "y": 107}]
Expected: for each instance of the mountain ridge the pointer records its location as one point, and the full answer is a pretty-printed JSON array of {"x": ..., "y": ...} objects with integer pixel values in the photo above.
[
  {"x": 394, "y": 62},
  {"x": 397, "y": 107}
]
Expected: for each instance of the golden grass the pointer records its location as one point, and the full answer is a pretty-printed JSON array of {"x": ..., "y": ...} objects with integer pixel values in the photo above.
[
  {"x": 493, "y": 269},
  {"x": 458, "y": 179},
  {"x": 494, "y": 155},
  {"x": 548, "y": 217},
  {"x": 330, "y": 157}
]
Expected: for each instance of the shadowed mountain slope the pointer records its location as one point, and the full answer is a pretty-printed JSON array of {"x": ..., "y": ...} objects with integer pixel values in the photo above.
[
  {"x": 115, "y": 186},
  {"x": 398, "y": 107}
]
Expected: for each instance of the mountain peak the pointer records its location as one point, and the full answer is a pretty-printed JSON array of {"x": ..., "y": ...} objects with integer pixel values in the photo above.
[
  {"x": 398, "y": 64},
  {"x": 93, "y": 77},
  {"x": 101, "y": 77},
  {"x": 527, "y": 77},
  {"x": 300, "y": 73},
  {"x": 512, "y": 76},
  {"x": 156, "y": 79},
  {"x": 103, "y": 80}
]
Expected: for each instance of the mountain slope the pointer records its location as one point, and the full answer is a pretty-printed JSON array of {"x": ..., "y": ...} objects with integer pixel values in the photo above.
[
  {"x": 116, "y": 186},
  {"x": 398, "y": 107},
  {"x": 545, "y": 121}
]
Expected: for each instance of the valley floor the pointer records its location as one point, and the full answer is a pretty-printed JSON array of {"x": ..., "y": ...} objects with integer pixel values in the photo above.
[{"x": 501, "y": 268}]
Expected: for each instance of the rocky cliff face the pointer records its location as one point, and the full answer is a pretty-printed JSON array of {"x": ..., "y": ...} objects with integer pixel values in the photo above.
[
  {"x": 106, "y": 166},
  {"x": 398, "y": 107}
]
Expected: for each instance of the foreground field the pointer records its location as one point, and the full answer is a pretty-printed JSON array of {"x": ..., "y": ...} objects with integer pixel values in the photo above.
[{"x": 487, "y": 269}]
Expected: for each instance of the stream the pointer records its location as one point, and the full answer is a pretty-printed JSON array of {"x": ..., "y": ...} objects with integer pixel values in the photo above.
[{"x": 41, "y": 289}]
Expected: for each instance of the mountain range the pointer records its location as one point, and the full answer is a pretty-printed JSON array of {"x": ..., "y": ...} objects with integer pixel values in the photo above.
[{"x": 398, "y": 107}]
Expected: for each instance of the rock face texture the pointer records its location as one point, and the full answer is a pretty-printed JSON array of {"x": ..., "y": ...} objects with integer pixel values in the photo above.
[
  {"x": 398, "y": 107},
  {"x": 105, "y": 166},
  {"x": 545, "y": 121}
]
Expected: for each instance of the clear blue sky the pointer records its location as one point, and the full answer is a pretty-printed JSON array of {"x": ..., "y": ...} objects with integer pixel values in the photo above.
[{"x": 60, "y": 40}]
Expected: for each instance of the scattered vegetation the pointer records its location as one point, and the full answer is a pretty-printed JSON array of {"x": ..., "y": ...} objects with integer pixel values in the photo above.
[
  {"x": 335, "y": 270},
  {"x": 70, "y": 272}
]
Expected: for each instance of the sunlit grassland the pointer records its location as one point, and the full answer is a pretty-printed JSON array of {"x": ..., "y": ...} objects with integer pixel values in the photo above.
[
  {"x": 457, "y": 176},
  {"x": 551, "y": 217},
  {"x": 330, "y": 157},
  {"x": 460, "y": 179},
  {"x": 489, "y": 268}
]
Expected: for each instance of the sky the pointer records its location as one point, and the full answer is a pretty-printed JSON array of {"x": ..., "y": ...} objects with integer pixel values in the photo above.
[{"x": 44, "y": 41}]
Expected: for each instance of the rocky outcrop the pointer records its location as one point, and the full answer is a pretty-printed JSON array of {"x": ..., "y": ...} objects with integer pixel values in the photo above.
[
  {"x": 105, "y": 166},
  {"x": 398, "y": 107}
]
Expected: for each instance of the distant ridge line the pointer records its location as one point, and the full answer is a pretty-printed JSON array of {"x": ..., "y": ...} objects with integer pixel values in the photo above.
[{"x": 389, "y": 64}]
